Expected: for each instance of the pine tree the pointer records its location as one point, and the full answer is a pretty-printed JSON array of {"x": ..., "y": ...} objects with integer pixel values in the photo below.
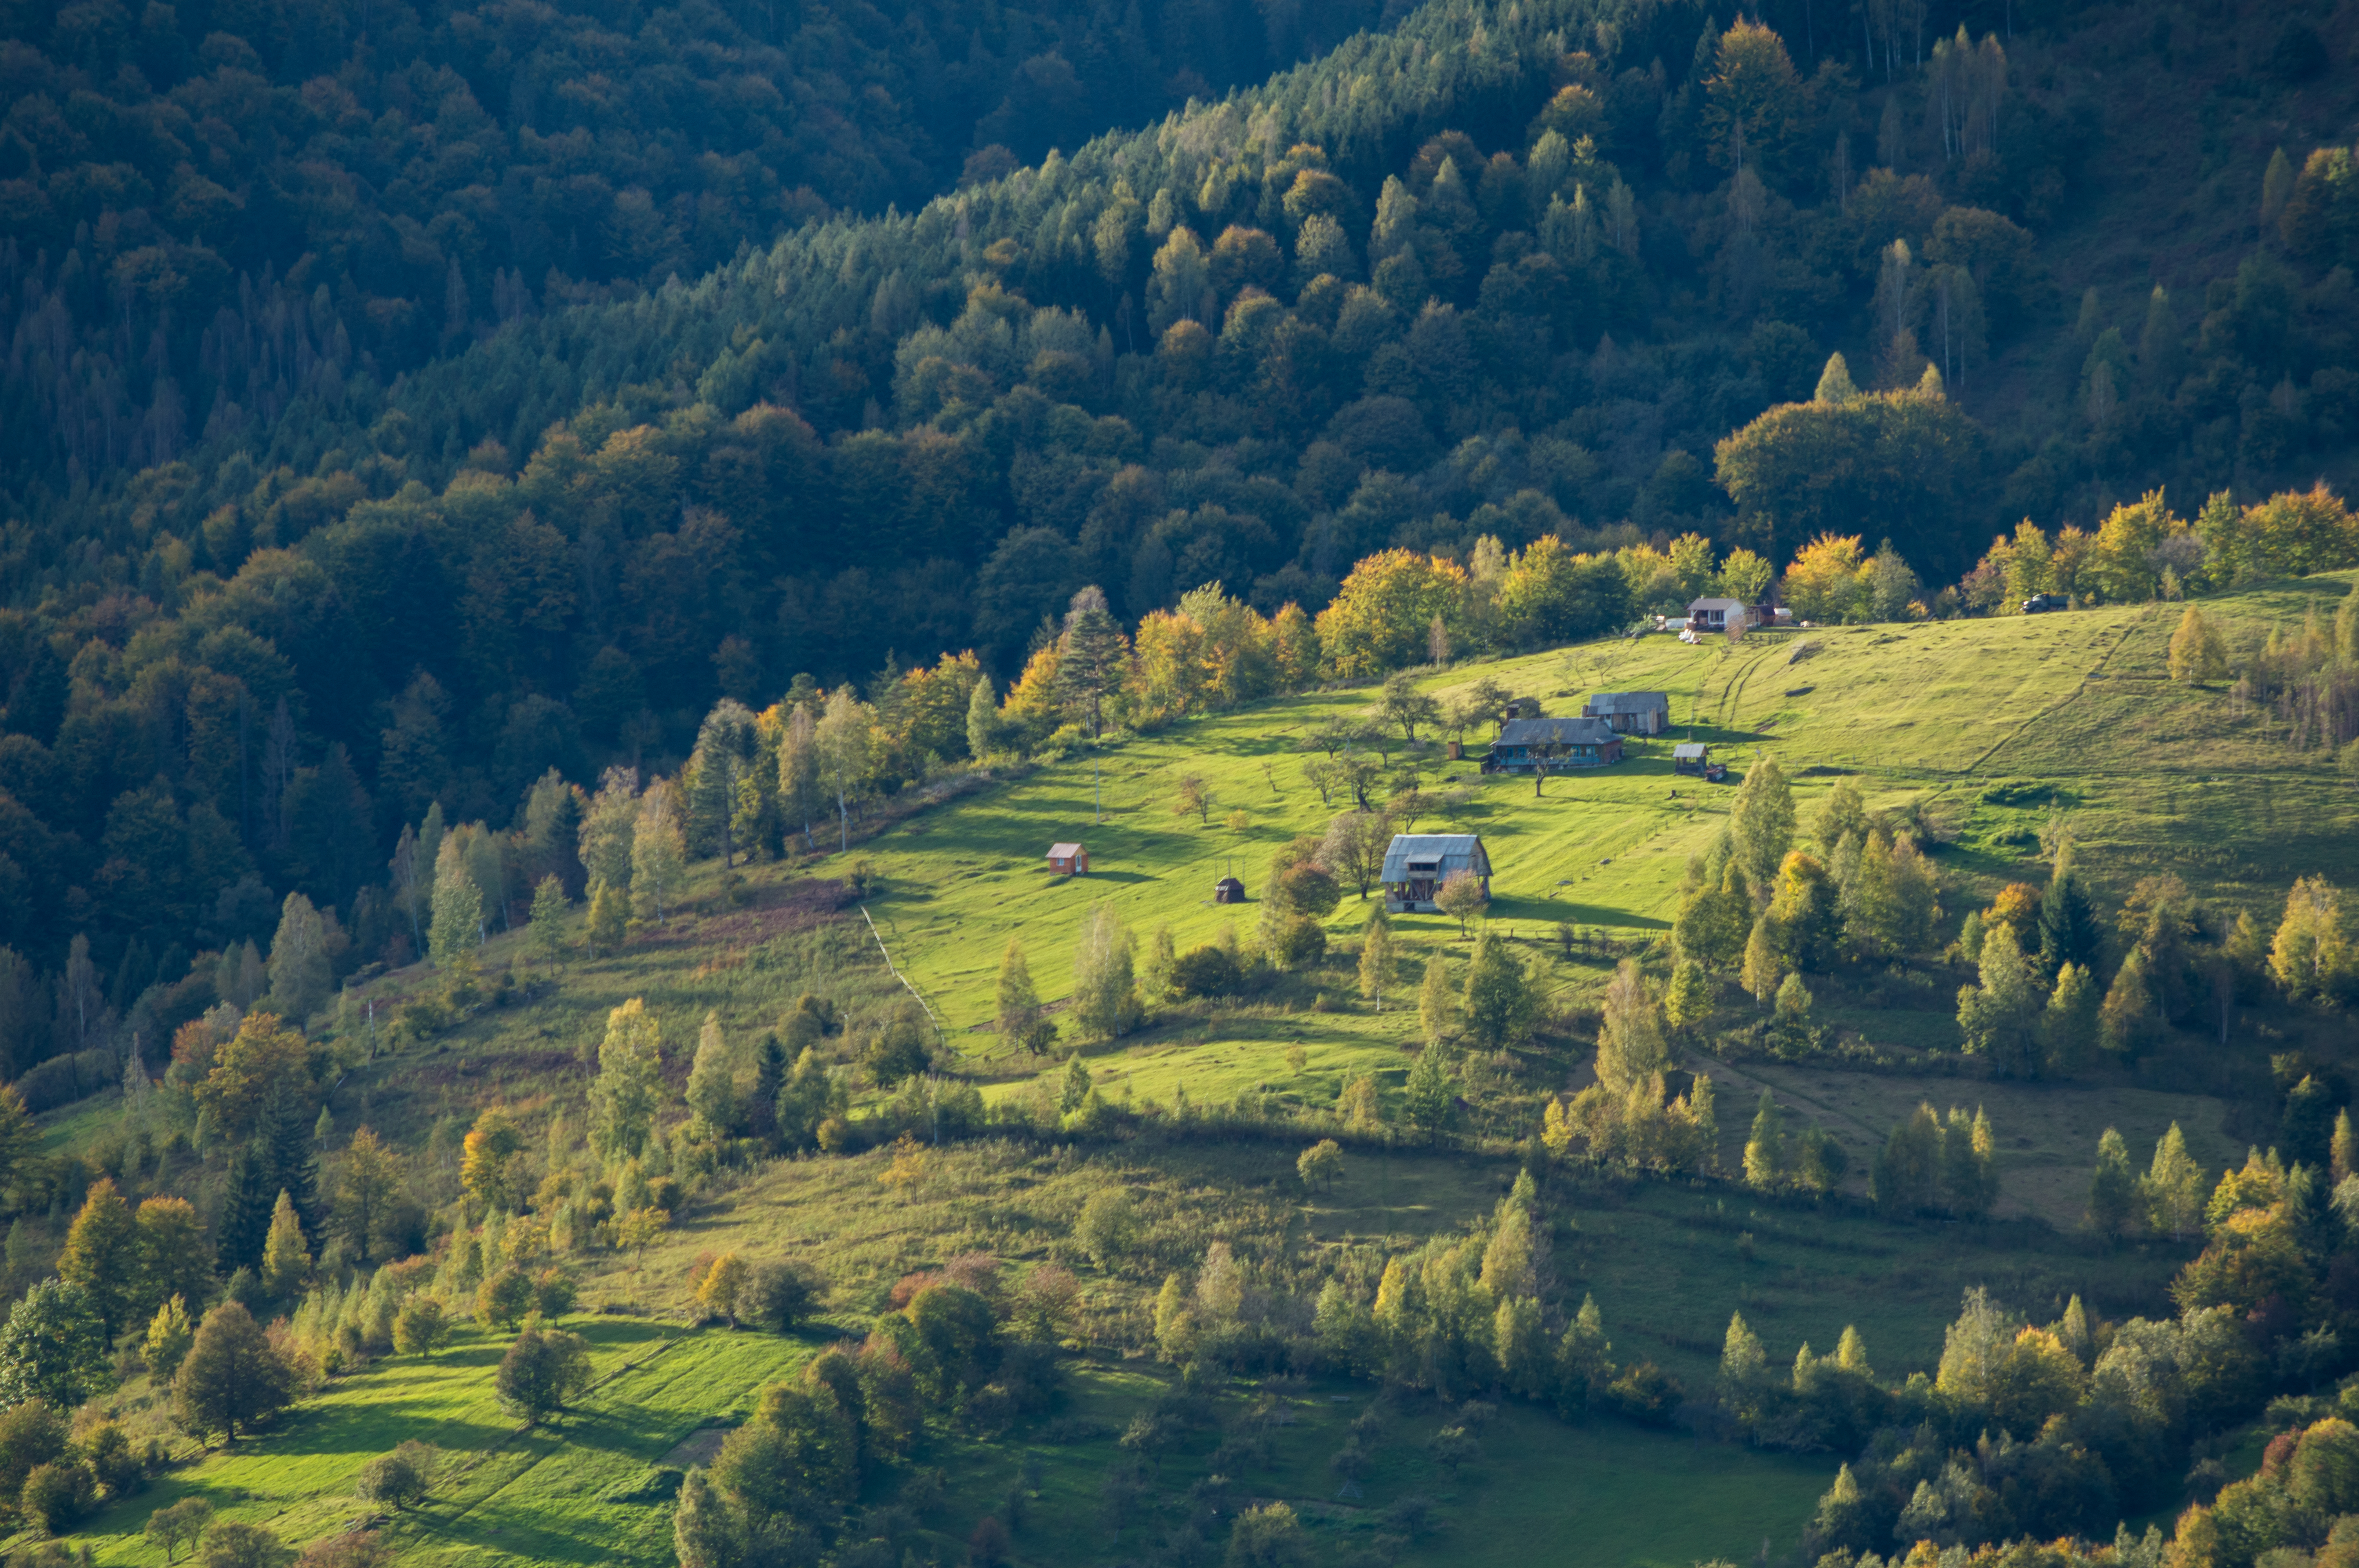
[
  {"x": 2113, "y": 1189},
  {"x": 2345, "y": 1146},
  {"x": 1764, "y": 1146},
  {"x": 2069, "y": 932},
  {"x": 248, "y": 1197},
  {"x": 1836, "y": 386},
  {"x": 286, "y": 1258},
  {"x": 2127, "y": 1021},
  {"x": 294, "y": 1153}
]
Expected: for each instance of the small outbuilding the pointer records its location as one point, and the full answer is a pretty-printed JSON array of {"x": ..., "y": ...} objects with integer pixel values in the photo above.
[
  {"x": 1068, "y": 861},
  {"x": 1631, "y": 712},
  {"x": 1228, "y": 890},
  {"x": 1527, "y": 745},
  {"x": 1417, "y": 864},
  {"x": 1690, "y": 757}
]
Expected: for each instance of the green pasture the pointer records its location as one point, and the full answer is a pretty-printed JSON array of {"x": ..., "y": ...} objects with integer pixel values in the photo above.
[
  {"x": 2073, "y": 713},
  {"x": 504, "y": 1494}
]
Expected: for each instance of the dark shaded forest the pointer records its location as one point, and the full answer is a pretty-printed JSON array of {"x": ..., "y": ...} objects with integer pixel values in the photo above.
[{"x": 325, "y": 503}]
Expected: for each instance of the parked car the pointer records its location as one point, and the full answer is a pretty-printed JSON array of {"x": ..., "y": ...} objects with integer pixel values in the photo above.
[{"x": 2039, "y": 603}]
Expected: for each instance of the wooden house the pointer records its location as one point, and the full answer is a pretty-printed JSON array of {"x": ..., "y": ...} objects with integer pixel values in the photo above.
[
  {"x": 1417, "y": 864},
  {"x": 1690, "y": 757},
  {"x": 1715, "y": 614},
  {"x": 1631, "y": 712},
  {"x": 1228, "y": 890},
  {"x": 1527, "y": 745},
  {"x": 1068, "y": 861}
]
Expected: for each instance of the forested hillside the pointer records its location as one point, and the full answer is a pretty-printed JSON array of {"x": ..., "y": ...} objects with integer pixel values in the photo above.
[
  {"x": 208, "y": 210},
  {"x": 1560, "y": 270}
]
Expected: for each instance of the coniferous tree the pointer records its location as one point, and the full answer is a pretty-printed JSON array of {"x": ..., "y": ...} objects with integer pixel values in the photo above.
[
  {"x": 2172, "y": 1187},
  {"x": 294, "y": 1153},
  {"x": 286, "y": 1254},
  {"x": 2113, "y": 1189},
  {"x": 249, "y": 1195},
  {"x": 547, "y": 925}
]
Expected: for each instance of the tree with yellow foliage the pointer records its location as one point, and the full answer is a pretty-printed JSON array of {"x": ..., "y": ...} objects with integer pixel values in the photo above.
[{"x": 1380, "y": 618}]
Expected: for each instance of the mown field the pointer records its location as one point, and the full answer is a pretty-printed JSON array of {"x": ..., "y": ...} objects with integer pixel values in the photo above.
[{"x": 2072, "y": 713}]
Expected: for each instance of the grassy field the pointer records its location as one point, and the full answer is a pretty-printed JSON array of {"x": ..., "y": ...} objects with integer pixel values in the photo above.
[{"x": 2069, "y": 713}]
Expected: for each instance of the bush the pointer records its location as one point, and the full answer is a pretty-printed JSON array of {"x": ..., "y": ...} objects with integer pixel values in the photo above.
[
  {"x": 1205, "y": 971},
  {"x": 400, "y": 1477},
  {"x": 1302, "y": 943},
  {"x": 782, "y": 1296},
  {"x": 57, "y": 1494}
]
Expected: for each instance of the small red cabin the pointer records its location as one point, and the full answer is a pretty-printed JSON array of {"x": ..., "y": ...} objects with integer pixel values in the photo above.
[{"x": 1068, "y": 861}]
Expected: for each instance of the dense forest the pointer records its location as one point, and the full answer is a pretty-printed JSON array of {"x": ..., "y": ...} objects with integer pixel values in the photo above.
[
  {"x": 203, "y": 205},
  {"x": 325, "y": 505}
]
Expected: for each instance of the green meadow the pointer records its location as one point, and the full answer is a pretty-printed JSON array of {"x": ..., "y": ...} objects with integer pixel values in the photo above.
[{"x": 1994, "y": 727}]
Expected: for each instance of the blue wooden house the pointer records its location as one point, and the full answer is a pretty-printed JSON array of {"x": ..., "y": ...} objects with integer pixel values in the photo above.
[{"x": 1527, "y": 745}]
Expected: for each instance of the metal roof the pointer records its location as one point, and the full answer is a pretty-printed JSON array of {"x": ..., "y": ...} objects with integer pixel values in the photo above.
[
  {"x": 1604, "y": 702},
  {"x": 1555, "y": 732},
  {"x": 1447, "y": 852},
  {"x": 1063, "y": 851},
  {"x": 1688, "y": 751},
  {"x": 1719, "y": 604}
]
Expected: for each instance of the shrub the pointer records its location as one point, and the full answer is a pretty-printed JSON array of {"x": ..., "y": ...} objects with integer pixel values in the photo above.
[
  {"x": 1205, "y": 972},
  {"x": 57, "y": 1494},
  {"x": 782, "y": 1296}
]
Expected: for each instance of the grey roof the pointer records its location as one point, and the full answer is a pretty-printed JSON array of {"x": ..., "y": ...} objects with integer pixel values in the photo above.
[
  {"x": 1555, "y": 732},
  {"x": 1688, "y": 751},
  {"x": 1604, "y": 702},
  {"x": 1723, "y": 605},
  {"x": 1448, "y": 852}
]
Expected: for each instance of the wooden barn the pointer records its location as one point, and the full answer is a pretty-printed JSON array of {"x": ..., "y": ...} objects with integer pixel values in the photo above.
[
  {"x": 1417, "y": 864},
  {"x": 1631, "y": 712},
  {"x": 1527, "y": 745},
  {"x": 1068, "y": 861}
]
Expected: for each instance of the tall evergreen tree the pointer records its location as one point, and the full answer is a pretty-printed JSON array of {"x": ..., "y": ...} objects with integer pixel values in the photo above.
[
  {"x": 294, "y": 1155},
  {"x": 249, "y": 1196}
]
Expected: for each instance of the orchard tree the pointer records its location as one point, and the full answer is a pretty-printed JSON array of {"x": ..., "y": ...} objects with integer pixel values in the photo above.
[{"x": 542, "y": 1372}]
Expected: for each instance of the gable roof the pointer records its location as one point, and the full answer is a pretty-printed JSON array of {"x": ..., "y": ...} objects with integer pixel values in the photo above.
[
  {"x": 1722, "y": 605},
  {"x": 1604, "y": 702},
  {"x": 1447, "y": 852},
  {"x": 1687, "y": 750},
  {"x": 1063, "y": 851},
  {"x": 1555, "y": 732}
]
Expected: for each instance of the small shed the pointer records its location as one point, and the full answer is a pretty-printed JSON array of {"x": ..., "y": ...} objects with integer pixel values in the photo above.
[
  {"x": 1690, "y": 757},
  {"x": 1714, "y": 614},
  {"x": 1228, "y": 890},
  {"x": 1417, "y": 864},
  {"x": 1631, "y": 712},
  {"x": 1068, "y": 861},
  {"x": 1527, "y": 745}
]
